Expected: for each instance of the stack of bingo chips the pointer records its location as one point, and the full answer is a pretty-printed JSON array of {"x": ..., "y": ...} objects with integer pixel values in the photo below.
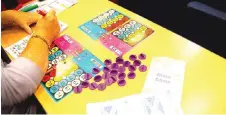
[{"x": 113, "y": 73}]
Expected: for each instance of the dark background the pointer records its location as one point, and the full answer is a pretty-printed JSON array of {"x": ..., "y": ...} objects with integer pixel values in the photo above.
[{"x": 204, "y": 29}]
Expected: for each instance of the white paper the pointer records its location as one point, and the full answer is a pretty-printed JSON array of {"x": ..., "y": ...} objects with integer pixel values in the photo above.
[
  {"x": 57, "y": 5},
  {"x": 17, "y": 48},
  {"x": 66, "y": 3},
  {"x": 63, "y": 26},
  {"x": 166, "y": 77},
  {"x": 140, "y": 104}
]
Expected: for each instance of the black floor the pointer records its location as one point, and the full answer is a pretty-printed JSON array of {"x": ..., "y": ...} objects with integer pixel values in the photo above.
[{"x": 203, "y": 29}]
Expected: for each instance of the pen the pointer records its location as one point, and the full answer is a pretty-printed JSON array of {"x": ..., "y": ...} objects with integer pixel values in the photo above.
[
  {"x": 41, "y": 12},
  {"x": 19, "y": 6},
  {"x": 33, "y": 6},
  {"x": 29, "y": 8}
]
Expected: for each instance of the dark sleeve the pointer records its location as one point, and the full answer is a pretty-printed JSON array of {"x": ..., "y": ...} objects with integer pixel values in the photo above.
[{"x": 9, "y": 4}]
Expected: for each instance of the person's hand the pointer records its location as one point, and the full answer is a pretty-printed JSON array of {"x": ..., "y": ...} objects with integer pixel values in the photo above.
[
  {"x": 48, "y": 27},
  {"x": 22, "y": 19}
]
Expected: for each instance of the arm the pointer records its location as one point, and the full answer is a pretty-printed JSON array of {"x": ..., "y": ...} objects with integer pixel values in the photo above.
[
  {"x": 6, "y": 18},
  {"x": 16, "y": 83},
  {"x": 21, "y": 77}
]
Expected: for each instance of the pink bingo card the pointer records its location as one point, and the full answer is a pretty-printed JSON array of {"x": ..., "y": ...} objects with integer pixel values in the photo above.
[
  {"x": 68, "y": 45},
  {"x": 114, "y": 44}
]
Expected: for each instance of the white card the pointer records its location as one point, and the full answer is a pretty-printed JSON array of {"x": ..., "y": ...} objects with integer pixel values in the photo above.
[
  {"x": 63, "y": 26},
  {"x": 139, "y": 104},
  {"x": 65, "y": 3},
  {"x": 17, "y": 48},
  {"x": 102, "y": 108},
  {"x": 130, "y": 106},
  {"x": 57, "y": 6},
  {"x": 166, "y": 76},
  {"x": 46, "y": 8}
]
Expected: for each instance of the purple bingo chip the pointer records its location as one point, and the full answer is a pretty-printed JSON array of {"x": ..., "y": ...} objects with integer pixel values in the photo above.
[
  {"x": 131, "y": 75},
  {"x": 121, "y": 69},
  {"x": 85, "y": 84},
  {"x": 114, "y": 66},
  {"x": 95, "y": 70},
  {"x": 88, "y": 76},
  {"x": 142, "y": 56},
  {"x": 114, "y": 78},
  {"x": 126, "y": 63},
  {"x": 78, "y": 89},
  {"x": 143, "y": 68},
  {"x": 106, "y": 75},
  {"x": 101, "y": 86},
  {"x": 108, "y": 81},
  {"x": 121, "y": 75},
  {"x": 120, "y": 57},
  {"x": 132, "y": 68},
  {"x": 93, "y": 86},
  {"x": 132, "y": 57},
  {"x": 119, "y": 60},
  {"x": 106, "y": 69},
  {"x": 97, "y": 78},
  {"x": 122, "y": 82},
  {"x": 113, "y": 72},
  {"x": 137, "y": 63},
  {"x": 107, "y": 62}
]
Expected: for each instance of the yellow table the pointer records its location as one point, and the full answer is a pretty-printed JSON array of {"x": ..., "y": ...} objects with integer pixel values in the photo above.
[{"x": 204, "y": 88}]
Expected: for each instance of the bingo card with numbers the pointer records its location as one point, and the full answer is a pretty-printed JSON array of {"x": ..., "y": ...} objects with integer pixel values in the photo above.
[{"x": 116, "y": 31}]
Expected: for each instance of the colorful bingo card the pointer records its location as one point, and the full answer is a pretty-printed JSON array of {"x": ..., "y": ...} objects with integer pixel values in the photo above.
[
  {"x": 132, "y": 32},
  {"x": 103, "y": 23},
  {"x": 63, "y": 72},
  {"x": 116, "y": 32}
]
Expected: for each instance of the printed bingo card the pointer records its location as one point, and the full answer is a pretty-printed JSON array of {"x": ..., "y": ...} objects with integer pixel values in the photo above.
[
  {"x": 116, "y": 31},
  {"x": 68, "y": 63}
]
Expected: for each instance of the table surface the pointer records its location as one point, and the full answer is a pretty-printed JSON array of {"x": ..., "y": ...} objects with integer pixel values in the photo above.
[{"x": 205, "y": 75}]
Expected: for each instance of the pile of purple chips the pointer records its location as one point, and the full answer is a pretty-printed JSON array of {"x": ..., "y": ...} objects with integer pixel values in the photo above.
[{"x": 113, "y": 72}]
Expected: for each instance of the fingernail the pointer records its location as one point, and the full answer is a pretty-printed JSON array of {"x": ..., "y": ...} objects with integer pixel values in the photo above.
[{"x": 30, "y": 32}]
